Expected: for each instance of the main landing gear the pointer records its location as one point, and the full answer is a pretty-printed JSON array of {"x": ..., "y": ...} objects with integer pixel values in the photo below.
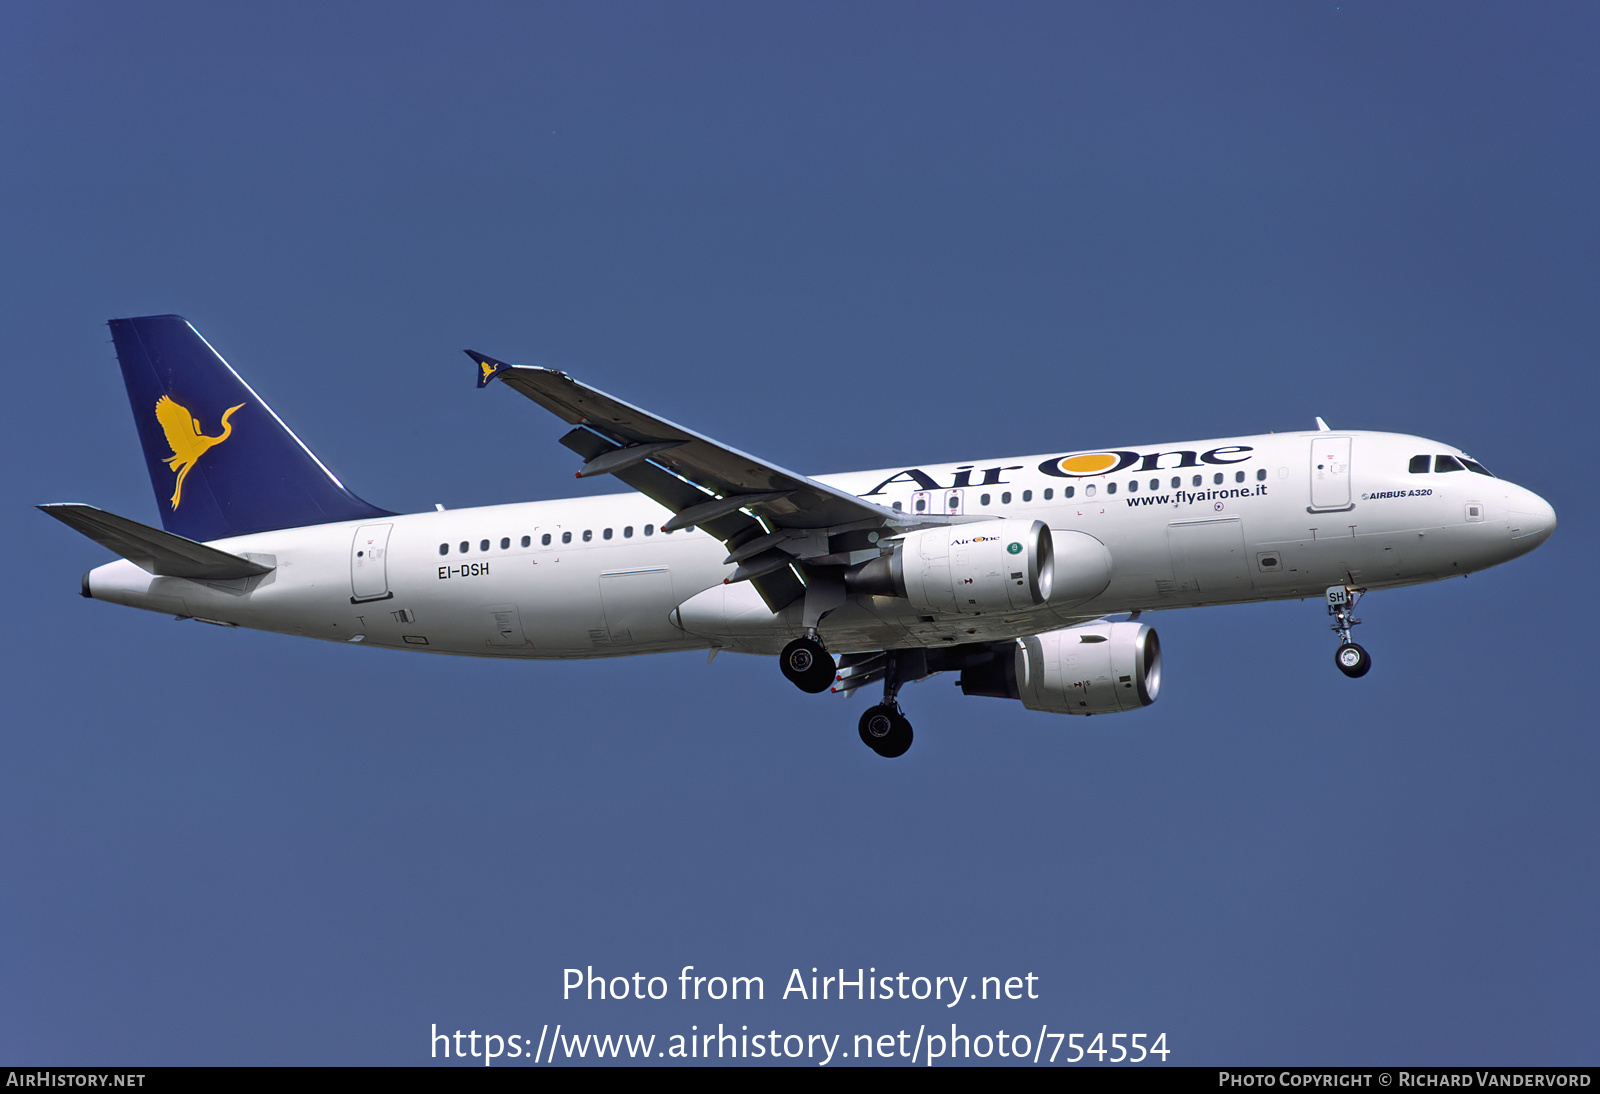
[
  {"x": 1352, "y": 660},
  {"x": 808, "y": 664},
  {"x": 885, "y": 730}
]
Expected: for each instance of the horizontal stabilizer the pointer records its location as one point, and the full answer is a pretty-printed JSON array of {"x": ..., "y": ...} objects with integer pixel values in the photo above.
[{"x": 151, "y": 549}]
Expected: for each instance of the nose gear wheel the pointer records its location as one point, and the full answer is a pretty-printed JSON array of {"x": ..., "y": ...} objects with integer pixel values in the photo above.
[{"x": 1352, "y": 660}]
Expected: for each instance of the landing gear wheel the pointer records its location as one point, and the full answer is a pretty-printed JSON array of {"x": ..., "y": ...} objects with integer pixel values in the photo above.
[
  {"x": 1352, "y": 660},
  {"x": 807, "y": 664},
  {"x": 885, "y": 730}
]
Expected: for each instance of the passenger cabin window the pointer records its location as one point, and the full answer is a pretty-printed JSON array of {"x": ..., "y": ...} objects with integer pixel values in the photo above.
[
  {"x": 1446, "y": 463},
  {"x": 1088, "y": 491},
  {"x": 527, "y": 541},
  {"x": 483, "y": 545},
  {"x": 649, "y": 529},
  {"x": 1133, "y": 485},
  {"x": 1238, "y": 476},
  {"x": 1177, "y": 481},
  {"x": 606, "y": 534},
  {"x": 505, "y": 543},
  {"x": 566, "y": 537},
  {"x": 1419, "y": 465},
  {"x": 444, "y": 548},
  {"x": 1111, "y": 488},
  {"x": 1197, "y": 481},
  {"x": 1049, "y": 492},
  {"x": 465, "y": 546},
  {"x": 1068, "y": 491},
  {"x": 1005, "y": 498},
  {"x": 588, "y": 535},
  {"x": 898, "y": 506},
  {"x": 627, "y": 531},
  {"x": 544, "y": 540},
  {"x": 1216, "y": 480},
  {"x": 1027, "y": 495},
  {"x": 1261, "y": 474},
  {"x": 984, "y": 500},
  {"x": 1155, "y": 484}
]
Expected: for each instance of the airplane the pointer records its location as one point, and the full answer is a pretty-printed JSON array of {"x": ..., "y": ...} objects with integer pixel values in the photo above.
[{"x": 1006, "y": 571}]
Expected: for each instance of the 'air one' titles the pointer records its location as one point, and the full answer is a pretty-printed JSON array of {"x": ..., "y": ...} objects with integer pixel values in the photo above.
[{"x": 1080, "y": 465}]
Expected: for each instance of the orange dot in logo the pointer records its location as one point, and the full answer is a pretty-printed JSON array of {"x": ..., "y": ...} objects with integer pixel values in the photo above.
[{"x": 1092, "y": 463}]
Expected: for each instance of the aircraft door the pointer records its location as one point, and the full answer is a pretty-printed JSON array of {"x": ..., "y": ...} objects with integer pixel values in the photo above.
[
  {"x": 369, "y": 563},
  {"x": 1330, "y": 473},
  {"x": 952, "y": 501},
  {"x": 921, "y": 501}
]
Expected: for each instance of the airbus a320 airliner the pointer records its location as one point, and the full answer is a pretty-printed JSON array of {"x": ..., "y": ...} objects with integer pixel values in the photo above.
[{"x": 1004, "y": 571}]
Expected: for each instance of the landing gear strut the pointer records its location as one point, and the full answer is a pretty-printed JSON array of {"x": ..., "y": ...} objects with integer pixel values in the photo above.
[
  {"x": 1352, "y": 660},
  {"x": 884, "y": 728},
  {"x": 808, "y": 664}
]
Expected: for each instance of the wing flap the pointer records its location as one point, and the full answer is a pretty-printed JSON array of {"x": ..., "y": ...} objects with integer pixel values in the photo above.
[
  {"x": 151, "y": 549},
  {"x": 778, "y": 589}
]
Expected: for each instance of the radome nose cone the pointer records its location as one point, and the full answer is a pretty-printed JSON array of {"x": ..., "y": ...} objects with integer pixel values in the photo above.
[
  {"x": 1532, "y": 520},
  {"x": 1546, "y": 518}
]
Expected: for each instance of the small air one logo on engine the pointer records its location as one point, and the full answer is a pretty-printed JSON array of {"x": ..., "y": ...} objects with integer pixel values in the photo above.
[{"x": 1014, "y": 548}]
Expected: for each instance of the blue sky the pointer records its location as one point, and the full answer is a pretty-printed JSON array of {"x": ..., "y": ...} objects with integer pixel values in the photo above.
[{"x": 840, "y": 236}]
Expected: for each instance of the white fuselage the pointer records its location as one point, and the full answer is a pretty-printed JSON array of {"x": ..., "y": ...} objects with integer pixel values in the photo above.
[{"x": 1264, "y": 518}]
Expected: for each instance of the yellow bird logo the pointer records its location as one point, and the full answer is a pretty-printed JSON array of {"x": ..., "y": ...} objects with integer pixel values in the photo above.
[{"x": 188, "y": 443}]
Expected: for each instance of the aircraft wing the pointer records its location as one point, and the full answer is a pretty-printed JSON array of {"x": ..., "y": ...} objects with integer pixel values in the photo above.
[{"x": 704, "y": 482}]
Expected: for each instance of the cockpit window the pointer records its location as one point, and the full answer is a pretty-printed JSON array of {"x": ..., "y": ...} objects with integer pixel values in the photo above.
[
  {"x": 1420, "y": 464},
  {"x": 1476, "y": 467},
  {"x": 1446, "y": 463}
]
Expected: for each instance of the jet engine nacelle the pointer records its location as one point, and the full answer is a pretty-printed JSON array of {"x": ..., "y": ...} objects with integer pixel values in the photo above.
[
  {"x": 965, "y": 569},
  {"x": 988, "y": 566},
  {"x": 1096, "y": 668}
]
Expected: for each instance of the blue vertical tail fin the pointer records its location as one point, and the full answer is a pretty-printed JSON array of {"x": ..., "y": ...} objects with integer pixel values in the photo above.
[{"x": 221, "y": 462}]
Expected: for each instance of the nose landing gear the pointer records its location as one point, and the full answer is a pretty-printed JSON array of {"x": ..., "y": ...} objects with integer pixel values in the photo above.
[{"x": 1352, "y": 660}]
